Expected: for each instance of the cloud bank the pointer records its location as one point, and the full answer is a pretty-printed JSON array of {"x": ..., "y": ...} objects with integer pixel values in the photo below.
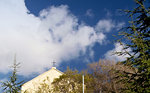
[
  {"x": 118, "y": 48},
  {"x": 54, "y": 35}
]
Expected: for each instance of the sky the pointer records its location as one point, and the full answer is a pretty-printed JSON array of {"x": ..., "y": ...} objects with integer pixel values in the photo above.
[{"x": 73, "y": 33}]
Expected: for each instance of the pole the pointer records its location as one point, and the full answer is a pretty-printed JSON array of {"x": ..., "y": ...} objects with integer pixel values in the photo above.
[{"x": 83, "y": 82}]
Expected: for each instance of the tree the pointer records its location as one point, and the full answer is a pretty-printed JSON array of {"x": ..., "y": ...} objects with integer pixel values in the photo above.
[
  {"x": 118, "y": 74},
  {"x": 104, "y": 73},
  {"x": 137, "y": 37},
  {"x": 12, "y": 85},
  {"x": 71, "y": 82},
  {"x": 44, "y": 87},
  {"x": 99, "y": 71}
]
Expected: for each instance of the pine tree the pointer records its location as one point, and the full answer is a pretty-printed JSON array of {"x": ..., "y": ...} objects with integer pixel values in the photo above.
[
  {"x": 137, "y": 37},
  {"x": 12, "y": 85}
]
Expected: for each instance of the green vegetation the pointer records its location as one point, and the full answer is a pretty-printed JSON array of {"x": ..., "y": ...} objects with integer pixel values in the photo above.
[
  {"x": 70, "y": 82},
  {"x": 137, "y": 38},
  {"x": 99, "y": 77},
  {"x": 12, "y": 85},
  {"x": 129, "y": 76},
  {"x": 133, "y": 74}
]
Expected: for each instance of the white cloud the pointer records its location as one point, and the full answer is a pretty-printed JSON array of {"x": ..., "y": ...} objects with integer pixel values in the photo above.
[
  {"x": 120, "y": 25},
  {"x": 54, "y": 35},
  {"x": 108, "y": 12},
  {"x": 89, "y": 13},
  {"x": 105, "y": 25},
  {"x": 118, "y": 48}
]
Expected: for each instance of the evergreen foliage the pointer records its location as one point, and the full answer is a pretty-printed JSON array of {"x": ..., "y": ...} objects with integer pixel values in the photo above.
[
  {"x": 12, "y": 85},
  {"x": 137, "y": 37}
]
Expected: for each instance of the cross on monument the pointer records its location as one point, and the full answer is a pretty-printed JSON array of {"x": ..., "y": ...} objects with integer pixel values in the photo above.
[{"x": 54, "y": 63}]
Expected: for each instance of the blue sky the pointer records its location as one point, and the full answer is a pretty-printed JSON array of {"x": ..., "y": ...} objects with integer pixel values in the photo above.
[{"x": 71, "y": 32}]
